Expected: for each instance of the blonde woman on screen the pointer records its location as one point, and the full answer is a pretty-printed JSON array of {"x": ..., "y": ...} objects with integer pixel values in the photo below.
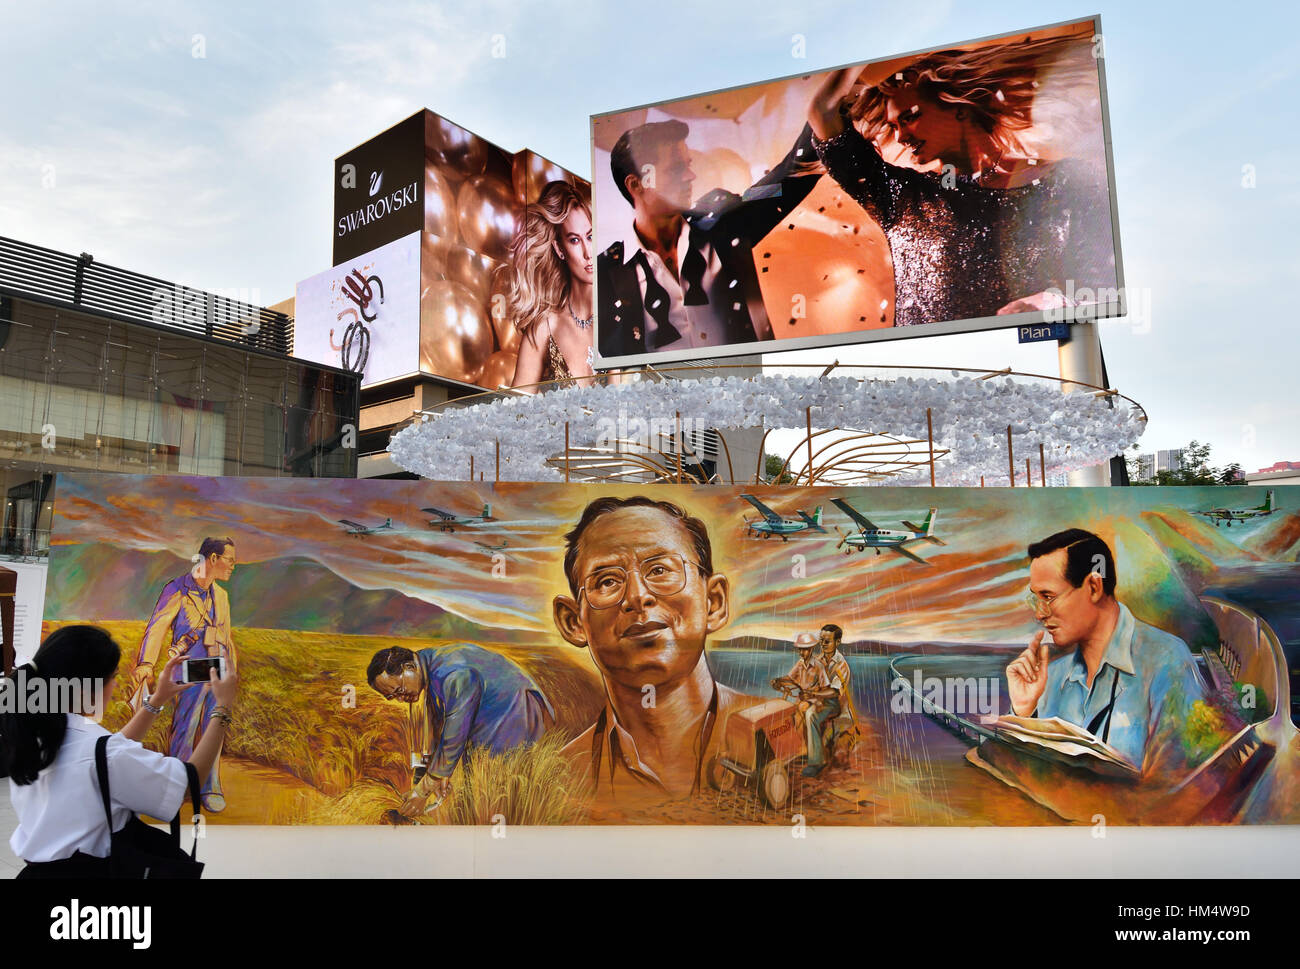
[
  {"x": 1003, "y": 225},
  {"x": 552, "y": 288}
]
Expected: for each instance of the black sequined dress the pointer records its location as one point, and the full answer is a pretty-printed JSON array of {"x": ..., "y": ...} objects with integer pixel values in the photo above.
[{"x": 966, "y": 251}]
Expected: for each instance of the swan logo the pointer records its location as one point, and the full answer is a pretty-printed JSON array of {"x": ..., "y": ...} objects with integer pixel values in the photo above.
[{"x": 376, "y": 180}]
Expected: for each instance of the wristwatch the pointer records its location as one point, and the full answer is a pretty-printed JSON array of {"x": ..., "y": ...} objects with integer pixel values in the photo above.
[{"x": 149, "y": 706}]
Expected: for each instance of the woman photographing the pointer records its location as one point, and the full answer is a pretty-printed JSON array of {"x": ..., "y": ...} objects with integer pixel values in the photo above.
[
  {"x": 999, "y": 227},
  {"x": 49, "y": 758}
]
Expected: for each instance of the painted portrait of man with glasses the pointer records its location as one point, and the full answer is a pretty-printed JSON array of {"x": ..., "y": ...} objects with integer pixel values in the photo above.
[
  {"x": 644, "y": 599},
  {"x": 1123, "y": 678}
]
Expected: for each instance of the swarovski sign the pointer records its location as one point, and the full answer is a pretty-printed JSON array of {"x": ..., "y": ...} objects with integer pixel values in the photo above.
[
  {"x": 379, "y": 190},
  {"x": 379, "y": 208}
]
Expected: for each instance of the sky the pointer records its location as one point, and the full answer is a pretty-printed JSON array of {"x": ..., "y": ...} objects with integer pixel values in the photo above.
[
  {"x": 195, "y": 142},
  {"x": 777, "y": 588}
]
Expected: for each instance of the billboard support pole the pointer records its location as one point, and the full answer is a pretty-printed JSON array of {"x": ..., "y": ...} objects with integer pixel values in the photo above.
[
  {"x": 929, "y": 427},
  {"x": 1042, "y": 464},
  {"x": 1029, "y": 474},
  {"x": 762, "y": 454},
  {"x": 498, "y": 474},
  {"x": 678, "y": 415},
  {"x": 471, "y": 467},
  {"x": 808, "y": 414},
  {"x": 1011, "y": 458},
  {"x": 1080, "y": 360},
  {"x": 566, "y": 452},
  {"x": 981, "y": 481}
]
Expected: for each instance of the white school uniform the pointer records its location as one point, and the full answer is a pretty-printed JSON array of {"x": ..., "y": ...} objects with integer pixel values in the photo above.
[{"x": 62, "y": 811}]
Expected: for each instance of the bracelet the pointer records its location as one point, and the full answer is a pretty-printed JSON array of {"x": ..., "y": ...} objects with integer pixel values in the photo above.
[
  {"x": 149, "y": 706},
  {"x": 223, "y": 717}
]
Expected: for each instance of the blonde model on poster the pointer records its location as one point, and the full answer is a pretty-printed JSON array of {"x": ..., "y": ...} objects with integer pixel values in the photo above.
[
  {"x": 1003, "y": 226},
  {"x": 551, "y": 292}
]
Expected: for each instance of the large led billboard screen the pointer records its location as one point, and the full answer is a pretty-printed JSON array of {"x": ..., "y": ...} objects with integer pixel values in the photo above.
[
  {"x": 938, "y": 192},
  {"x": 496, "y": 256},
  {"x": 364, "y": 314},
  {"x": 506, "y": 295}
]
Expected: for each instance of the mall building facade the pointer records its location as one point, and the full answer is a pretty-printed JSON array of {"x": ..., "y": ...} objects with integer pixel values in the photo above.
[{"x": 103, "y": 369}]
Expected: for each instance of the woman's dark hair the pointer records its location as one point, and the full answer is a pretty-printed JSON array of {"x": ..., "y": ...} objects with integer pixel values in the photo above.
[{"x": 29, "y": 742}]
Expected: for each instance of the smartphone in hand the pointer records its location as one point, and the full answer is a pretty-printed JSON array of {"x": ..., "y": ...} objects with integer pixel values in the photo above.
[{"x": 197, "y": 670}]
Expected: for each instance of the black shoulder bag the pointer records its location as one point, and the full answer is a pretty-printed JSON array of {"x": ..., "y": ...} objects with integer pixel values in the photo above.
[{"x": 141, "y": 851}]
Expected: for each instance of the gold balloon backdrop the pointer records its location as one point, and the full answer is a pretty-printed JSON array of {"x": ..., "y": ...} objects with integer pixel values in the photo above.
[
  {"x": 499, "y": 369},
  {"x": 531, "y": 172},
  {"x": 508, "y": 335},
  {"x": 433, "y": 259},
  {"x": 457, "y": 152},
  {"x": 439, "y": 205},
  {"x": 487, "y": 209},
  {"x": 473, "y": 270},
  {"x": 456, "y": 337}
]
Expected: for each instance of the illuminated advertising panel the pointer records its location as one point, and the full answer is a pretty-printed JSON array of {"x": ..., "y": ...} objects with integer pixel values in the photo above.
[
  {"x": 364, "y": 314},
  {"x": 506, "y": 264},
  {"x": 378, "y": 190},
  {"x": 943, "y": 191}
]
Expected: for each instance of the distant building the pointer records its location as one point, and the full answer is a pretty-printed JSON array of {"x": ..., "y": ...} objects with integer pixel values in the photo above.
[
  {"x": 1281, "y": 473},
  {"x": 1171, "y": 460},
  {"x": 1148, "y": 465}
]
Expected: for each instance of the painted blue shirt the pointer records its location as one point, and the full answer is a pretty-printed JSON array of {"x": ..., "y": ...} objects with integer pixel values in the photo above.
[
  {"x": 1157, "y": 681},
  {"x": 481, "y": 698}
]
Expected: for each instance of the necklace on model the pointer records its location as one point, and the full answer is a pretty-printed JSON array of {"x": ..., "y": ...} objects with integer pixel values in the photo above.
[{"x": 582, "y": 324}]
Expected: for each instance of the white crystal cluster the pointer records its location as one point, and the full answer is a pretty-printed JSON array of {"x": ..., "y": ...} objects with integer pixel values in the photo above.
[{"x": 970, "y": 417}]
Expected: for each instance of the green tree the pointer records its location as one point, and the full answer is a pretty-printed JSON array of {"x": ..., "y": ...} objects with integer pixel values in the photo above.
[{"x": 772, "y": 466}]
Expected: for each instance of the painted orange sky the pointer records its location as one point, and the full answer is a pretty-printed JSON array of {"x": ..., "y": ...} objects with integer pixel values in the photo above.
[{"x": 968, "y": 591}]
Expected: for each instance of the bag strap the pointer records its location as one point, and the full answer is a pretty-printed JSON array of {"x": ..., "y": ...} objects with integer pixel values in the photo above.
[
  {"x": 192, "y": 775},
  {"x": 101, "y": 771}
]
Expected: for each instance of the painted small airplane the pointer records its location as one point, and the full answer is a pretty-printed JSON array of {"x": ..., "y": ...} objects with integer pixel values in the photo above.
[
  {"x": 493, "y": 549},
  {"x": 773, "y": 524},
  {"x": 1231, "y": 515},
  {"x": 446, "y": 520},
  {"x": 870, "y": 535},
  {"x": 357, "y": 530}
]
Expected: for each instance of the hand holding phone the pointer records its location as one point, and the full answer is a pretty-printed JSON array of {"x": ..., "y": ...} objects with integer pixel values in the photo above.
[{"x": 199, "y": 670}]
